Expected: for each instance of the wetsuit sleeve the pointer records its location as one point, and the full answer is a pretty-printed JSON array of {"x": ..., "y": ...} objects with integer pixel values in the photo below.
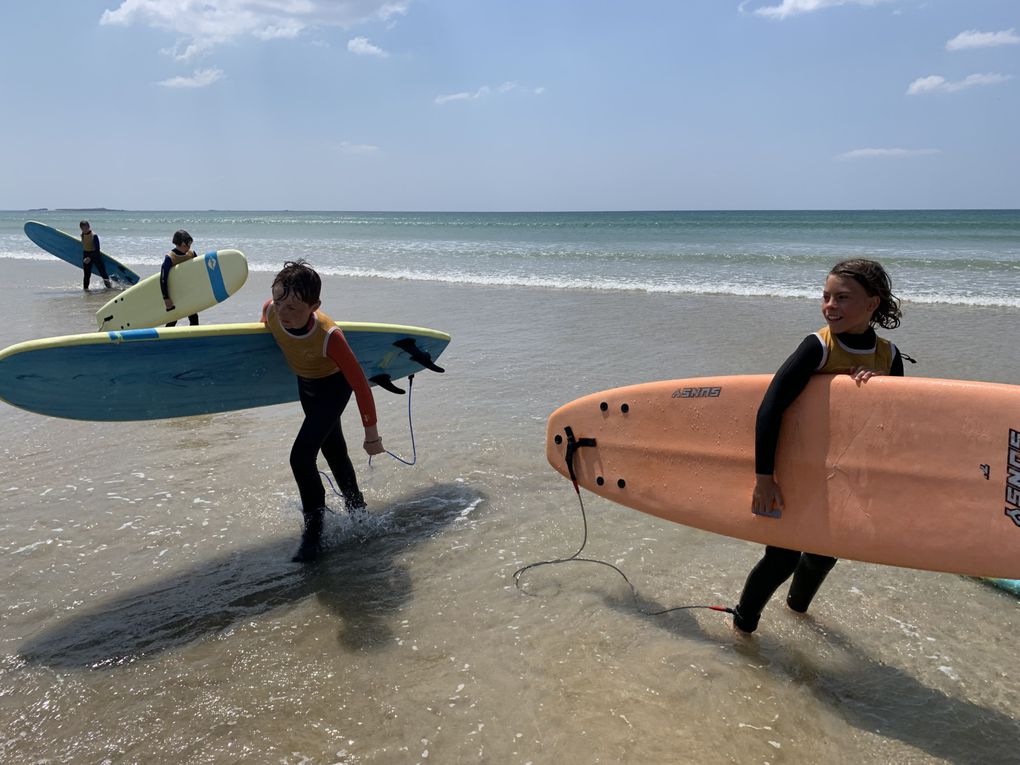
[
  {"x": 95, "y": 238},
  {"x": 788, "y": 383},
  {"x": 342, "y": 355},
  {"x": 164, "y": 273},
  {"x": 896, "y": 368}
]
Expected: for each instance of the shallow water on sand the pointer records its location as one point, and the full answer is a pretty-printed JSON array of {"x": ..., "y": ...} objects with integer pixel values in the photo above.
[{"x": 151, "y": 613}]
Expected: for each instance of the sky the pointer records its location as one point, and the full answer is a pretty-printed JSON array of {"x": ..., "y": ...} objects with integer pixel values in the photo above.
[{"x": 493, "y": 105}]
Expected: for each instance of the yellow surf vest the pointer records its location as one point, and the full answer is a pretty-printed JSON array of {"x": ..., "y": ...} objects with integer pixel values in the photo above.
[
  {"x": 176, "y": 257},
  {"x": 305, "y": 354},
  {"x": 88, "y": 241},
  {"x": 838, "y": 359}
]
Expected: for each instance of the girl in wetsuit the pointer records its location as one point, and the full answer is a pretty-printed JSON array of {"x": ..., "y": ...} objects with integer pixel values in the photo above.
[
  {"x": 327, "y": 374},
  {"x": 856, "y": 297}
]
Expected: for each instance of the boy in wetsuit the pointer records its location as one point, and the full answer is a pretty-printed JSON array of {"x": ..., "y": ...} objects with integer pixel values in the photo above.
[
  {"x": 327, "y": 374},
  {"x": 181, "y": 253},
  {"x": 90, "y": 256},
  {"x": 857, "y": 296}
]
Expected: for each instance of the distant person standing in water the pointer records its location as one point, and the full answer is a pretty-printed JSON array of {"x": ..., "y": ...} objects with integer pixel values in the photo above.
[
  {"x": 179, "y": 254},
  {"x": 90, "y": 255}
]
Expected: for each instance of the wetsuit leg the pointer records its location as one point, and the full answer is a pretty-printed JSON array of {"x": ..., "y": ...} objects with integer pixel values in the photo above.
[
  {"x": 87, "y": 268},
  {"x": 807, "y": 578},
  {"x": 101, "y": 268},
  {"x": 172, "y": 323},
  {"x": 775, "y": 567},
  {"x": 323, "y": 401},
  {"x": 334, "y": 449},
  {"x": 193, "y": 320}
]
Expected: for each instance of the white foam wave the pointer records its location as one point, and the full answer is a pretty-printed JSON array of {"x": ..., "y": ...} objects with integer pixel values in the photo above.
[{"x": 760, "y": 289}]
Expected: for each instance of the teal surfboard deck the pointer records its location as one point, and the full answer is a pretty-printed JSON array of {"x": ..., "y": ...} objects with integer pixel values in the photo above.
[
  {"x": 68, "y": 249},
  {"x": 147, "y": 374}
]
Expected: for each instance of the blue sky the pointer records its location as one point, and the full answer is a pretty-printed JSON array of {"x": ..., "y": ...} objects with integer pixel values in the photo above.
[{"x": 510, "y": 104}]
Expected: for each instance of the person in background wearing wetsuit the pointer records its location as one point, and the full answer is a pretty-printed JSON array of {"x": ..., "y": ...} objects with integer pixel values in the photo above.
[
  {"x": 180, "y": 253},
  {"x": 327, "y": 374},
  {"x": 856, "y": 297},
  {"x": 90, "y": 256}
]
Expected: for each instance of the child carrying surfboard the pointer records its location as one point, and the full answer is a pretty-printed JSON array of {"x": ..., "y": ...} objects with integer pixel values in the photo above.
[
  {"x": 327, "y": 374},
  {"x": 857, "y": 296},
  {"x": 181, "y": 253}
]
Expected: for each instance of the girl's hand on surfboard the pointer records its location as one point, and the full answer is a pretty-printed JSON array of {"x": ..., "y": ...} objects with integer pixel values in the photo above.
[
  {"x": 861, "y": 375},
  {"x": 767, "y": 499}
]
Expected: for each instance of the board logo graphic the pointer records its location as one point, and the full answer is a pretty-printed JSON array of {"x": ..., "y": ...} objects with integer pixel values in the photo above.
[
  {"x": 1013, "y": 477},
  {"x": 210, "y": 263},
  {"x": 708, "y": 392}
]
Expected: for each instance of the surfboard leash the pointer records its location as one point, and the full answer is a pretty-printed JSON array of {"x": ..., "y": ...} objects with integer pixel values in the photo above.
[
  {"x": 573, "y": 444},
  {"x": 410, "y": 427}
]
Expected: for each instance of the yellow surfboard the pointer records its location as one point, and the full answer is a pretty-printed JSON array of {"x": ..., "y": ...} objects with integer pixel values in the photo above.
[
  {"x": 906, "y": 471},
  {"x": 194, "y": 286}
]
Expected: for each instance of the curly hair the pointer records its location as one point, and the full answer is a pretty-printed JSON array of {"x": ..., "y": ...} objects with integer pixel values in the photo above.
[
  {"x": 876, "y": 282},
  {"x": 301, "y": 279}
]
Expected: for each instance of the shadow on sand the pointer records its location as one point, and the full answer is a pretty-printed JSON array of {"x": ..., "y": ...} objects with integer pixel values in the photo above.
[
  {"x": 863, "y": 691},
  {"x": 358, "y": 578}
]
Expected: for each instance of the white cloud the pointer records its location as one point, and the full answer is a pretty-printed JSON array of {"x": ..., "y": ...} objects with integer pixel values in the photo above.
[
  {"x": 200, "y": 79},
  {"x": 794, "y": 7},
  {"x": 974, "y": 39},
  {"x": 507, "y": 87},
  {"x": 203, "y": 25},
  {"x": 937, "y": 84},
  {"x": 886, "y": 153},
  {"x": 464, "y": 96},
  {"x": 347, "y": 147},
  {"x": 362, "y": 47}
]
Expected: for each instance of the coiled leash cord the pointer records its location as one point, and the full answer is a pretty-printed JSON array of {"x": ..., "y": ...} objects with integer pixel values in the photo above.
[
  {"x": 410, "y": 427},
  {"x": 572, "y": 446}
]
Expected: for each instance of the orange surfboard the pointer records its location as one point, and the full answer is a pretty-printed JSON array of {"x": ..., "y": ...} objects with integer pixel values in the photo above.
[{"x": 913, "y": 472}]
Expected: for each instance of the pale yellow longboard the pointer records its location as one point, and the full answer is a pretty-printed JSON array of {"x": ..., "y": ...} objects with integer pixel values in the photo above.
[
  {"x": 906, "y": 471},
  {"x": 194, "y": 286}
]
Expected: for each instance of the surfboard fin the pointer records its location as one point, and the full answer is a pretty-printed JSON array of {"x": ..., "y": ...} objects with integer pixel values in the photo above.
[
  {"x": 386, "y": 382},
  {"x": 573, "y": 444},
  {"x": 410, "y": 347}
]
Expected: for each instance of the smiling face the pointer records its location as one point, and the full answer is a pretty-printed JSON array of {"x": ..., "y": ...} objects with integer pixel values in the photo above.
[
  {"x": 846, "y": 305},
  {"x": 294, "y": 312}
]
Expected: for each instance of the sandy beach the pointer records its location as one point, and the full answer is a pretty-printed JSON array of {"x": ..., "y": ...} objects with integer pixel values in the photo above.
[{"x": 151, "y": 613}]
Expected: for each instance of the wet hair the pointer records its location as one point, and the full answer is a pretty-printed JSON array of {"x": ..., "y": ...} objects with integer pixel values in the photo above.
[
  {"x": 182, "y": 237},
  {"x": 84, "y": 223},
  {"x": 876, "y": 282},
  {"x": 301, "y": 279}
]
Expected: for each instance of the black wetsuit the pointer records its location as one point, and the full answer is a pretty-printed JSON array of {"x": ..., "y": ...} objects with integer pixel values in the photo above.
[
  {"x": 164, "y": 275},
  {"x": 94, "y": 259},
  {"x": 778, "y": 564}
]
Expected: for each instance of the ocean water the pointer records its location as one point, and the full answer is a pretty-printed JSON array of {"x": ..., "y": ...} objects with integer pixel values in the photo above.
[
  {"x": 954, "y": 257},
  {"x": 151, "y": 614}
]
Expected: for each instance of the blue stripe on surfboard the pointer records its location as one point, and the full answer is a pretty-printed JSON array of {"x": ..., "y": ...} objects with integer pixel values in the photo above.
[
  {"x": 212, "y": 269},
  {"x": 133, "y": 334}
]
